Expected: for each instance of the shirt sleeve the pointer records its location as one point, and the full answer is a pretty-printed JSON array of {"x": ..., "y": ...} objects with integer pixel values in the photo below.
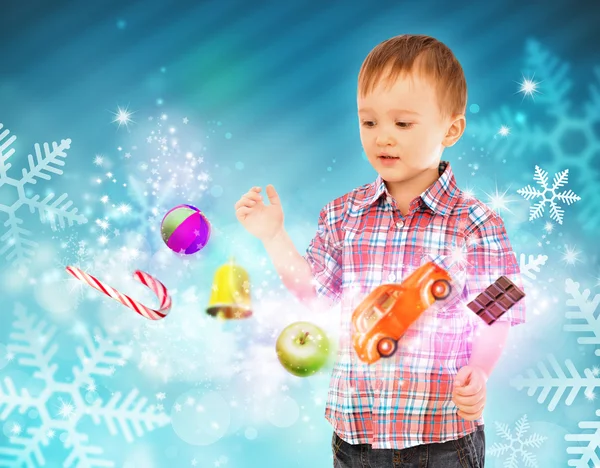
[
  {"x": 324, "y": 256},
  {"x": 489, "y": 256}
]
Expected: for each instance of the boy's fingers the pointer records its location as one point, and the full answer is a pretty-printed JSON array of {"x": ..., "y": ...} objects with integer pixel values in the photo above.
[
  {"x": 272, "y": 194},
  {"x": 475, "y": 412},
  {"x": 247, "y": 203},
  {"x": 465, "y": 402},
  {"x": 255, "y": 189},
  {"x": 243, "y": 211},
  {"x": 468, "y": 391},
  {"x": 472, "y": 407},
  {"x": 471, "y": 389},
  {"x": 252, "y": 196},
  {"x": 244, "y": 202}
]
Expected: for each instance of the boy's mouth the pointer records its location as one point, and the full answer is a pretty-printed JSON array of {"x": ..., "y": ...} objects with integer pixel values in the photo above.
[{"x": 389, "y": 157}]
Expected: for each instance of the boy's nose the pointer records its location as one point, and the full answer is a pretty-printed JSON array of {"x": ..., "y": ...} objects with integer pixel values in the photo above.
[{"x": 385, "y": 139}]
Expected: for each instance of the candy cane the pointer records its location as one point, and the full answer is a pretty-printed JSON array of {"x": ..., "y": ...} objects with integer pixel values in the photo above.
[{"x": 157, "y": 287}]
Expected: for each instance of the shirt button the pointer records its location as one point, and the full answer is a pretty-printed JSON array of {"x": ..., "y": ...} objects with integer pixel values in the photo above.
[{"x": 399, "y": 224}]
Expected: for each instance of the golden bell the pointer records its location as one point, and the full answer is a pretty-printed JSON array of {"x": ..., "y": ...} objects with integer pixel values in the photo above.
[{"x": 230, "y": 296}]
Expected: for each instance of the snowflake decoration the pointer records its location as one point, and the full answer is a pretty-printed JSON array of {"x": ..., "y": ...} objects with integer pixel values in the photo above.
[
  {"x": 562, "y": 382},
  {"x": 549, "y": 195},
  {"x": 16, "y": 244},
  {"x": 571, "y": 379},
  {"x": 562, "y": 134},
  {"x": 587, "y": 453},
  {"x": 518, "y": 446},
  {"x": 32, "y": 344},
  {"x": 529, "y": 266},
  {"x": 584, "y": 311}
]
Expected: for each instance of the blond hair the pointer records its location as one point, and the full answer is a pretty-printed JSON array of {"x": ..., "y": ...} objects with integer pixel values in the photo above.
[{"x": 429, "y": 57}]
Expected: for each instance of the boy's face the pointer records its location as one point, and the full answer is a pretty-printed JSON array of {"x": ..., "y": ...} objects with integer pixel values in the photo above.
[{"x": 403, "y": 122}]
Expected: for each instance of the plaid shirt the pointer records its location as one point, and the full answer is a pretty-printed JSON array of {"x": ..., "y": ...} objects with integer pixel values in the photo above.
[{"x": 363, "y": 241}]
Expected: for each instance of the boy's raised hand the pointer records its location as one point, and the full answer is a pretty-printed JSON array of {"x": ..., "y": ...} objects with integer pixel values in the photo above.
[
  {"x": 261, "y": 220},
  {"x": 469, "y": 392}
]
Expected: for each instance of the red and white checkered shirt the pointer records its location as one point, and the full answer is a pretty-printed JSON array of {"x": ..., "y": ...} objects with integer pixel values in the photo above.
[{"x": 363, "y": 241}]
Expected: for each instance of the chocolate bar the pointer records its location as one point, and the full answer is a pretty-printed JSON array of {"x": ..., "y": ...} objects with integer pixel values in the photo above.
[{"x": 499, "y": 296}]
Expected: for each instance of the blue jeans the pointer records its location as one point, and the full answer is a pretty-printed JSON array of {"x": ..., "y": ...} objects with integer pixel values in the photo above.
[{"x": 466, "y": 452}]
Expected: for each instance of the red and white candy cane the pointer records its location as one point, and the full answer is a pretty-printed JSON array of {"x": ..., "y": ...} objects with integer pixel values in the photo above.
[{"x": 157, "y": 287}]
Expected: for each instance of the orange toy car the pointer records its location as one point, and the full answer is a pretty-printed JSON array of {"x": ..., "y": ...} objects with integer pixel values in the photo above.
[{"x": 386, "y": 313}]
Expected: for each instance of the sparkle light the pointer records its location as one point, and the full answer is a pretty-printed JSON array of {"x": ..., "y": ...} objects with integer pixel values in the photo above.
[
  {"x": 15, "y": 429},
  {"x": 104, "y": 225},
  {"x": 548, "y": 227},
  {"x": 528, "y": 87},
  {"x": 458, "y": 255},
  {"x": 99, "y": 160},
  {"x": 66, "y": 410},
  {"x": 571, "y": 255},
  {"x": 124, "y": 208},
  {"x": 504, "y": 131},
  {"x": 589, "y": 394},
  {"x": 469, "y": 193},
  {"x": 123, "y": 117},
  {"x": 499, "y": 201}
]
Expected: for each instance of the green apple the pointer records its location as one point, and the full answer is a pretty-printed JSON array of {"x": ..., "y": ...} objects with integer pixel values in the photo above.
[{"x": 302, "y": 348}]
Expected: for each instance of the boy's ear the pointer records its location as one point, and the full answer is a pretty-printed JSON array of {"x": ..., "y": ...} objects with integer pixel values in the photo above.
[{"x": 456, "y": 129}]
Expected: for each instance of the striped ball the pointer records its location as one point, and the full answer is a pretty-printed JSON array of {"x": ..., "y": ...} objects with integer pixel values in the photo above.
[{"x": 185, "y": 229}]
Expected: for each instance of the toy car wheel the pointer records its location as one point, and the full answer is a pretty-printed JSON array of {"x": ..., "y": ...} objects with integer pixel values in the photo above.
[
  {"x": 386, "y": 347},
  {"x": 441, "y": 289}
]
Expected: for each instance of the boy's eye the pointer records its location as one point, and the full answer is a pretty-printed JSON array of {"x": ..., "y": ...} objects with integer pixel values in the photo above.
[
  {"x": 404, "y": 124},
  {"x": 368, "y": 123}
]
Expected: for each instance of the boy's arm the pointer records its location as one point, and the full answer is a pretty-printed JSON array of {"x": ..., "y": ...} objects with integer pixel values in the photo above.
[
  {"x": 490, "y": 257},
  {"x": 293, "y": 269},
  {"x": 318, "y": 273},
  {"x": 488, "y": 345}
]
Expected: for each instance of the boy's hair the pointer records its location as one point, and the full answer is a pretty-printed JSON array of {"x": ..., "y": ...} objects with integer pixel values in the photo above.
[{"x": 431, "y": 58}]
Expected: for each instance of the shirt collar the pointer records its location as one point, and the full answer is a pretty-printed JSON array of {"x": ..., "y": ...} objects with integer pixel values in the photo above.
[{"x": 440, "y": 197}]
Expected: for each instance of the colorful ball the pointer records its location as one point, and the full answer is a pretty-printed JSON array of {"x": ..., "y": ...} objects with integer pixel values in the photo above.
[{"x": 185, "y": 229}]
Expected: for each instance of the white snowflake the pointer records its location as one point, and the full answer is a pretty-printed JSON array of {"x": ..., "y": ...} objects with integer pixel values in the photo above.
[
  {"x": 562, "y": 382},
  {"x": 584, "y": 311},
  {"x": 549, "y": 195},
  {"x": 566, "y": 136},
  {"x": 572, "y": 380},
  {"x": 517, "y": 444},
  {"x": 32, "y": 343},
  {"x": 586, "y": 453},
  {"x": 529, "y": 266},
  {"x": 16, "y": 244}
]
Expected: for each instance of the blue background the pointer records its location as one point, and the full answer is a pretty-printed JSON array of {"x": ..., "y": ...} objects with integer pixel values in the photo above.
[{"x": 269, "y": 90}]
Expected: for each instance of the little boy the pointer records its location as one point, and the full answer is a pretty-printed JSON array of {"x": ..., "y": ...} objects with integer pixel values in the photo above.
[{"x": 423, "y": 405}]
